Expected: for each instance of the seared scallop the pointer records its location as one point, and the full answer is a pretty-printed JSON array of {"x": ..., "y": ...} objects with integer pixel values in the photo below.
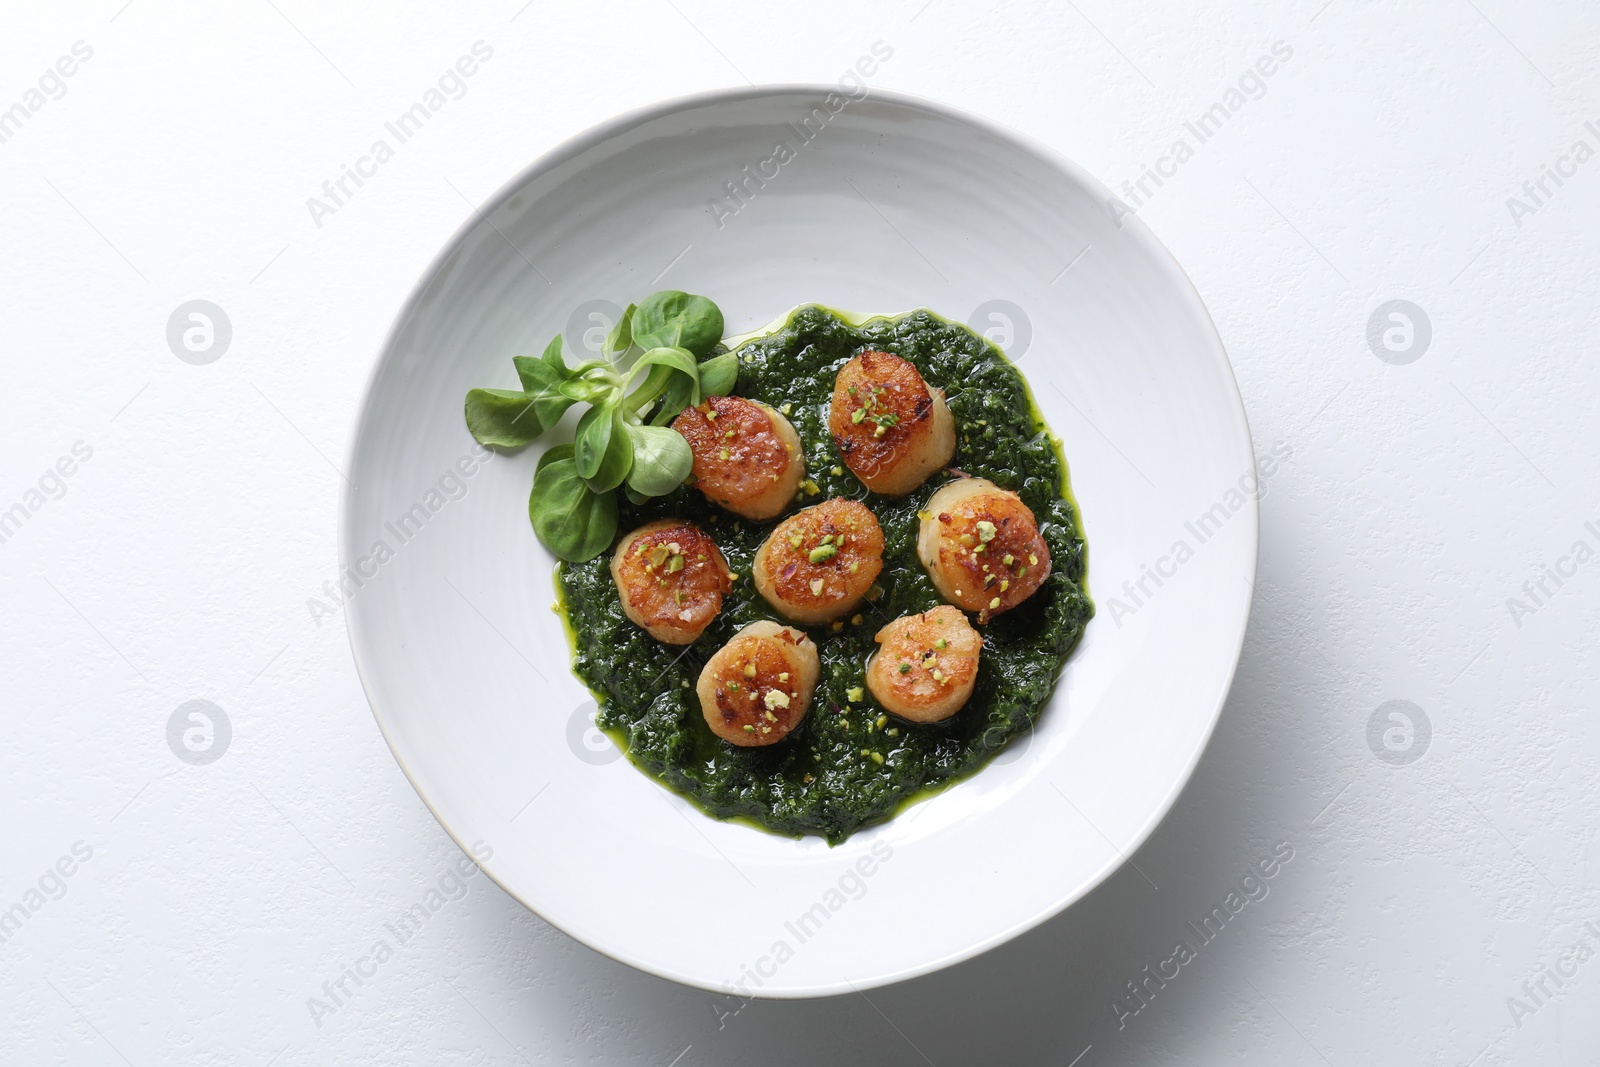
[
  {"x": 891, "y": 427},
  {"x": 925, "y": 665},
  {"x": 756, "y": 688},
  {"x": 746, "y": 455},
  {"x": 981, "y": 546},
  {"x": 671, "y": 578},
  {"x": 819, "y": 564}
]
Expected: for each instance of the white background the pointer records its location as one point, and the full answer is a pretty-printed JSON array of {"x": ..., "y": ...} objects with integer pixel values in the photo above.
[{"x": 1418, "y": 498}]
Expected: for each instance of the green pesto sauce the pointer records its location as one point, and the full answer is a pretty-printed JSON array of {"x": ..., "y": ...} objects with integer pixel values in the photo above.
[{"x": 645, "y": 689}]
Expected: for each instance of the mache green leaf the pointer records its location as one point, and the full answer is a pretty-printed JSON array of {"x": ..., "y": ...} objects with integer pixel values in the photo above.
[
  {"x": 573, "y": 521},
  {"x": 618, "y": 458},
  {"x": 502, "y": 418},
  {"x": 674, "y": 319},
  {"x": 620, "y": 339},
  {"x": 661, "y": 460},
  {"x": 719, "y": 374}
]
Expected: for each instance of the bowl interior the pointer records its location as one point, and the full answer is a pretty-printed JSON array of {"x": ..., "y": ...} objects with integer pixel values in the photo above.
[{"x": 763, "y": 199}]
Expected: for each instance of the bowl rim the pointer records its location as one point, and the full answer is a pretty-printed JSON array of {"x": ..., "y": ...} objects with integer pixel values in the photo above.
[{"x": 618, "y": 124}]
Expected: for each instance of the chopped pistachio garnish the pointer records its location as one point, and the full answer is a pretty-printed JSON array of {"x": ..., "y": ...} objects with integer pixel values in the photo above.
[
  {"x": 1033, "y": 560},
  {"x": 794, "y": 539},
  {"x": 929, "y": 660},
  {"x": 1005, "y": 583},
  {"x": 893, "y": 731},
  {"x": 1008, "y": 559},
  {"x": 875, "y": 592},
  {"x": 749, "y": 729},
  {"x": 674, "y": 564},
  {"x": 853, "y": 694},
  {"x": 905, "y": 668},
  {"x": 749, "y": 670},
  {"x": 723, "y": 453},
  {"x": 811, "y": 487},
  {"x": 659, "y": 554},
  {"x": 854, "y": 567},
  {"x": 995, "y": 603},
  {"x": 924, "y": 515},
  {"x": 938, "y": 675},
  {"x": 878, "y": 433},
  {"x": 783, "y": 676},
  {"x": 965, "y": 539},
  {"x": 882, "y": 721},
  {"x": 816, "y": 587},
  {"x": 857, "y": 415},
  {"x": 836, "y": 471},
  {"x": 822, "y": 553},
  {"x": 776, "y": 698},
  {"x": 877, "y": 757},
  {"x": 787, "y": 409},
  {"x": 985, "y": 531},
  {"x": 941, "y": 644}
]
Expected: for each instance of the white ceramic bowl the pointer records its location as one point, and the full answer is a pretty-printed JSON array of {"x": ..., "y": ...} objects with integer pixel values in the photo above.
[{"x": 887, "y": 203}]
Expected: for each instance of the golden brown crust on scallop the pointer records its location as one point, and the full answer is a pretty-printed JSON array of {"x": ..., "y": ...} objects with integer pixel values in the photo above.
[
  {"x": 819, "y": 564},
  {"x": 671, "y": 578},
  {"x": 746, "y": 455},
  {"x": 982, "y": 548},
  {"x": 891, "y": 428},
  {"x": 926, "y": 665},
  {"x": 756, "y": 689}
]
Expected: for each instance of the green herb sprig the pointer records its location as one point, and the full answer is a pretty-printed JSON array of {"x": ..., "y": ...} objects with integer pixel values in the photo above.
[{"x": 623, "y": 443}]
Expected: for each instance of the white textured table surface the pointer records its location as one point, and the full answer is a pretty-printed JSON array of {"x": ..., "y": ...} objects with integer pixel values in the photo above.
[{"x": 168, "y": 528}]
